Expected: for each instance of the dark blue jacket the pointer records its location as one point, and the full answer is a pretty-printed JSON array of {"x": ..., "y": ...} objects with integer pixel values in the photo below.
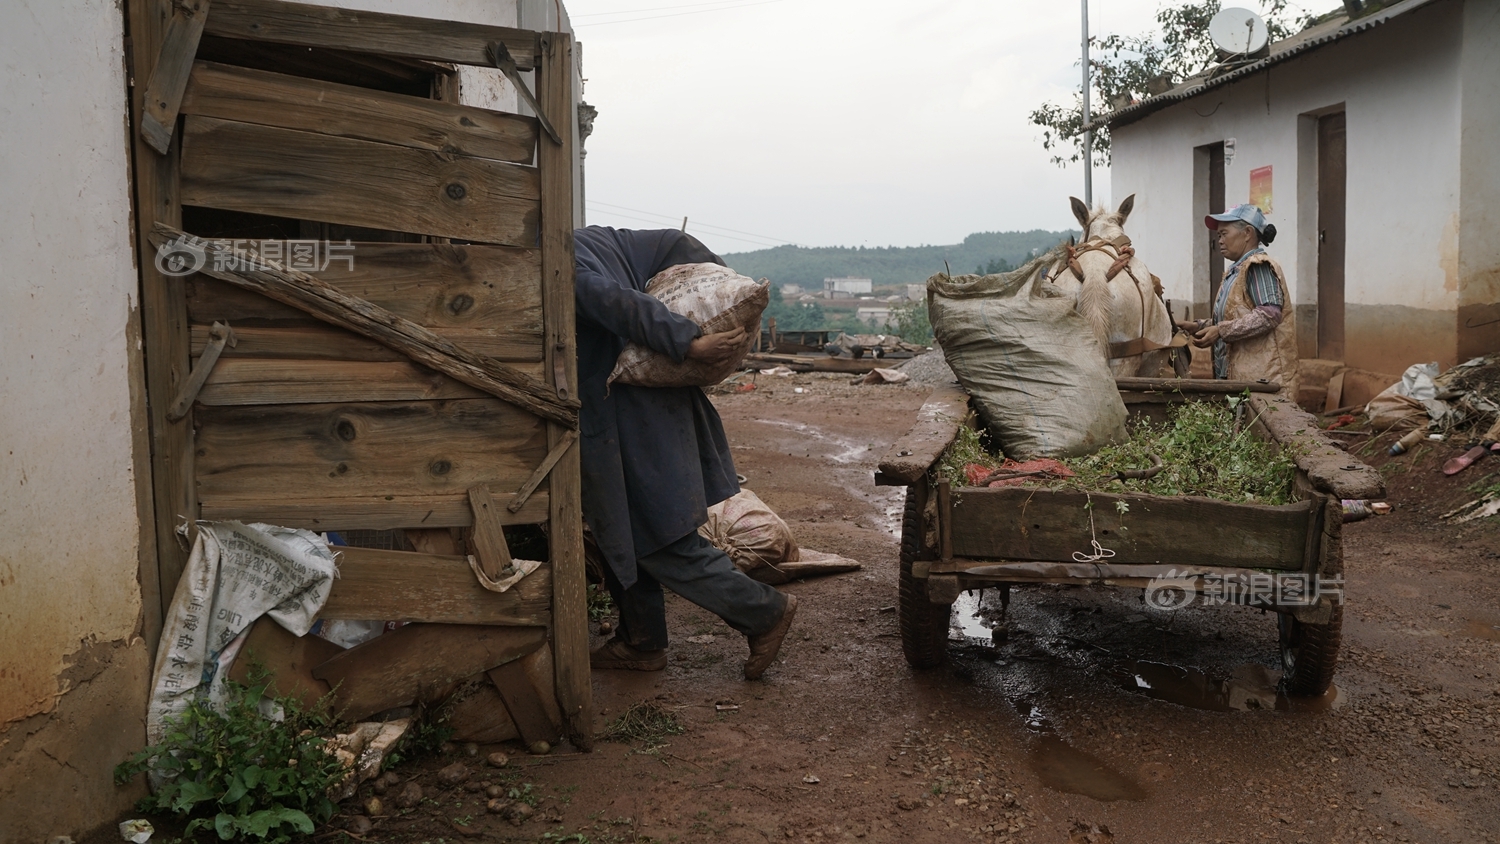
[{"x": 653, "y": 458}]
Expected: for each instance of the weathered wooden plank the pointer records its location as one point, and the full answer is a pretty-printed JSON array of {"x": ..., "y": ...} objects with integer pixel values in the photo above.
[
  {"x": 315, "y": 341},
  {"x": 1329, "y": 468},
  {"x": 570, "y": 633},
  {"x": 409, "y": 586},
  {"x": 364, "y": 449},
  {"x": 287, "y": 659},
  {"x": 487, "y": 537},
  {"x": 346, "y": 111},
  {"x": 1024, "y": 524},
  {"x": 419, "y": 661},
  {"x": 338, "y": 308},
  {"x": 1193, "y": 385},
  {"x": 397, "y": 74},
  {"x": 249, "y": 381},
  {"x": 369, "y": 512},
  {"x": 163, "y": 315},
  {"x": 287, "y": 173},
  {"x": 480, "y": 716},
  {"x": 907, "y": 461},
  {"x": 169, "y": 77},
  {"x": 220, "y": 336},
  {"x": 368, "y": 32},
  {"x": 486, "y": 294},
  {"x": 523, "y": 703}
]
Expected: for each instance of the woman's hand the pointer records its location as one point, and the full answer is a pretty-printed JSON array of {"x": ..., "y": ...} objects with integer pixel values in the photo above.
[
  {"x": 1207, "y": 337},
  {"x": 717, "y": 349}
]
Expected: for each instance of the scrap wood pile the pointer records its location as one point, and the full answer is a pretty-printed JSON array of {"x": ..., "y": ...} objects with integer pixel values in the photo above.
[{"x": 1202, "y": 450}]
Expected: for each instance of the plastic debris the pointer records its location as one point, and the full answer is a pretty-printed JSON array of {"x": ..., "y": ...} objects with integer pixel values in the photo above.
[
  {"x": 1358, "y": 509},
  {"x": 137, "y": 831}
]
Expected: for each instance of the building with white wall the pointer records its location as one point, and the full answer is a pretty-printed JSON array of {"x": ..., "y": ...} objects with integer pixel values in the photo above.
[
  {"x": 1371, "y": 143},
  {"x": 75, "y": 465},
  {"x": 847, "y": 287}
]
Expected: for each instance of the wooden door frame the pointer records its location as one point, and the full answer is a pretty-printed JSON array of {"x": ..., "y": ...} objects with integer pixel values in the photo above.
[
  {"x": 165, "y": 326},
  {"x": 1332, "y": 232}
]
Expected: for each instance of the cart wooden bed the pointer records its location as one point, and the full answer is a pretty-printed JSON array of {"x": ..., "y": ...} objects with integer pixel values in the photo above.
[{"x": 1175, "y": 547}]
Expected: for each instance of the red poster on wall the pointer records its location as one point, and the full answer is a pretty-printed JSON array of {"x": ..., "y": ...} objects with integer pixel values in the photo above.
[{"x": 1260, "y": 188}]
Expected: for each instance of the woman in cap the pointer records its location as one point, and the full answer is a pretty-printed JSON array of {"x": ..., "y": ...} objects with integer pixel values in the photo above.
[{"x": 1253, "y": 332}]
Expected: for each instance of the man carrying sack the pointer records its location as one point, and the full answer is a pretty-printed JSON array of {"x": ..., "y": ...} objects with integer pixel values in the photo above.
[{"x": 655, "y": 458}]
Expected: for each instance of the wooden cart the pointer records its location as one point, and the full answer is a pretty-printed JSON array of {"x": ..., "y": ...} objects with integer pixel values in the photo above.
[
  {"x": 1176, "y": 548},
  {"x": 378, "y": 338}
]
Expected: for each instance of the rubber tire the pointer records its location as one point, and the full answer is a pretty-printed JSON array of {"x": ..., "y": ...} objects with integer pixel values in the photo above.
[
  {"x": 1309, "y": 653},
  {"x": 924, "y": 625}
]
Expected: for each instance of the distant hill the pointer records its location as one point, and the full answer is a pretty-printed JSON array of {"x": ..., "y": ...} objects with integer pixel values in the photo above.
[{"x": 889, "y": 265}]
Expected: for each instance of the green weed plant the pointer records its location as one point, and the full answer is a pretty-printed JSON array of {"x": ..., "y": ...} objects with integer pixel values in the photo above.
[
  {"x": 240, "y": 774},
  {"x": 1202, "y": 451}
]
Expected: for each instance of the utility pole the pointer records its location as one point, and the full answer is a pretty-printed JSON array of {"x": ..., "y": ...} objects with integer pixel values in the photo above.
[{"x": 1088, "y": 129}]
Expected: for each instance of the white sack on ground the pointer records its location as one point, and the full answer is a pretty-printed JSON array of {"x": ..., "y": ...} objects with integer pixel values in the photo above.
[
  {"x": 236, "y": 574},
  {"x": 715, "y": 297},
  {"x": 1038, "y": 376},
  {"x": 761, "y": 545},
  {"x": 1405, "y": 402}
]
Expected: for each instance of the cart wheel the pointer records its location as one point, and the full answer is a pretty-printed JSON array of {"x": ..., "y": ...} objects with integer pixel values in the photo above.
[
  {"x": 1309, "y": 653},
  {"x": 924, "y": 625}
]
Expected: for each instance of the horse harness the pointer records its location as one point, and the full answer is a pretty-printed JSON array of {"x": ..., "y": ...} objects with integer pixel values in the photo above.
[{"x": 1123, "y": 252}]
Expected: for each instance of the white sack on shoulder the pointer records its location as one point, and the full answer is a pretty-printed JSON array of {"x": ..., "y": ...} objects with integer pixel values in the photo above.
[{"x": 718, "y": 299}]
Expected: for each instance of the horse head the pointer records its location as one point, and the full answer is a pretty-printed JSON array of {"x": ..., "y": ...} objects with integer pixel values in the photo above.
[{"x": 1100, "y": 222}]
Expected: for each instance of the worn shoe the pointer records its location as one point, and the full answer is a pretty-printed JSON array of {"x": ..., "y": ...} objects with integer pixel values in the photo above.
[
  {"x": 765, "y": 647},
  {"x": 616, "y": 654}
]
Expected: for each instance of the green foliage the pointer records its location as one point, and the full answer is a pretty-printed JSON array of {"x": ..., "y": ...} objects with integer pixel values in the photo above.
[
  {"x": 600, "y": 603},
  {"x": 887, "y": 265},
  {"x": 911, "y": 322},
  {"x": 1201, "y": 451},
  {"x": 428, "y": 731},
  {"x": 793, "y": 316},
  {"x": 1126, "y": 67},
  {"x": 970, "y": 446},
  {"x": 1202, "y": 454},
  {"x": 240, "y": 774},
  {"x": 994, "y": 267}
]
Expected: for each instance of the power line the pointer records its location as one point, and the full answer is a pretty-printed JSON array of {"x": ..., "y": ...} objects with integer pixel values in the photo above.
[
  {"x": 776, "y": 240},
  {"x": 761, "y": 243},
  {"x": 680, "y": 14}
]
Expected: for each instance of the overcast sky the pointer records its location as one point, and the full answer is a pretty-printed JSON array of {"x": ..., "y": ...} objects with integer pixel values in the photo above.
[{"x": 832, "y": 122}]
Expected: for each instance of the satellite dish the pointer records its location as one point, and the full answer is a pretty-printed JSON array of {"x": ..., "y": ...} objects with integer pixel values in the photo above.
[{"x": 1238, "y": 32}]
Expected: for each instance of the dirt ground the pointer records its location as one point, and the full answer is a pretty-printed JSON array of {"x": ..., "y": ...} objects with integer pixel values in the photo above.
[{"x": 1085, "y": 718}]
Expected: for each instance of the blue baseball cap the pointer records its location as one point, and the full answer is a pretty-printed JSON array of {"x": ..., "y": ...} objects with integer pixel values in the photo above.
[{"x": 1238, "y": 214}]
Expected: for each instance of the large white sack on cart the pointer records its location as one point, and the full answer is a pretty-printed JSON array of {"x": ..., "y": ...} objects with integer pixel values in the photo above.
[
  {"x": 1032, "y": 364},
  {"x": 718, "y": 299},
  {"x": 761, "y": 544}
]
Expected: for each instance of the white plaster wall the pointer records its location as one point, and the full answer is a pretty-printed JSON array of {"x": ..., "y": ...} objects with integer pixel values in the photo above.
[
  {"x": 1399, "y": 86},
  {"x": 68, "y": 565}
]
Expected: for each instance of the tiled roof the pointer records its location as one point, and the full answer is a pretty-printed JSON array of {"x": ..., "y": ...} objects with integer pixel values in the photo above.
[{"x": 1315, "y": 36}]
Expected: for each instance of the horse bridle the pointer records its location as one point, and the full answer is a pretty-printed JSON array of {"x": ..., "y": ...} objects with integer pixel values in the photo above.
[{"x": 1123, "y": 253}]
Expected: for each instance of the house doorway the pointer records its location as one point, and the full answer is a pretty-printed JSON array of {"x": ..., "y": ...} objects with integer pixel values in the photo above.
[
  {"x": 1210, "y": 195},
  {"x": 1332, "y": 179}
]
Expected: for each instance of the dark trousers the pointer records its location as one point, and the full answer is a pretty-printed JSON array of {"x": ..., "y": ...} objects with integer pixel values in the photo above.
[{"x": 693, "y": 568}]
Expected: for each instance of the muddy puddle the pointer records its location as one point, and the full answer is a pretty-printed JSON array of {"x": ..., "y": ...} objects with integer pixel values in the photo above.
[
  {"x": 1248, "y": 688},
  {"x": 1477, "y": 629},
  {"x": 1063, "y": 767}
]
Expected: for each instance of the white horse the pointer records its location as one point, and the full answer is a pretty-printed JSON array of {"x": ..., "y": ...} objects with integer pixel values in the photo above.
[{"x": 1116, "y": 293}]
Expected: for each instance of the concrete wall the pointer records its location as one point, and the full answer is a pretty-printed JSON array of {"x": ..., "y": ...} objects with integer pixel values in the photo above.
[
  {"x": 73, "y": 669},
  {"x": 1399, "y": 86},
  {"x": 1479, "y": 195}
]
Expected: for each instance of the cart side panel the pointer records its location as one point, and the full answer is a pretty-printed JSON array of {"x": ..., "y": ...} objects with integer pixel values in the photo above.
[{"x": 1051, "y": 525}]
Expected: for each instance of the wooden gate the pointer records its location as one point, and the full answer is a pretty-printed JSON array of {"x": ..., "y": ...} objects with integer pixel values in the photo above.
[{"x": 407, "y": 363}]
